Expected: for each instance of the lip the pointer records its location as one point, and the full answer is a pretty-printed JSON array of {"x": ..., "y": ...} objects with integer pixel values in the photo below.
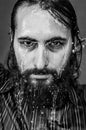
[{"x": 41, "y": 77}]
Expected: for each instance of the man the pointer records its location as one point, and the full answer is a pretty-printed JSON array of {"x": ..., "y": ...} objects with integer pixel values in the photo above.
[{"x": 39, "y": 88}]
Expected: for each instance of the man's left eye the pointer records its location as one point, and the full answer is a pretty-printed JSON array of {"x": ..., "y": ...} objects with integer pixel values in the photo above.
[{"x": 55, "y": 45}]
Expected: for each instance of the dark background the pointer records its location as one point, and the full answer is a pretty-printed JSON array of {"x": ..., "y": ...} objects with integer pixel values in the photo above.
[{"x": 5, "y": 11}]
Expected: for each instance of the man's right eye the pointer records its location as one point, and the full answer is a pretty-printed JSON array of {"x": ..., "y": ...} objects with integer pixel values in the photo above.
[{"x": 29, "y": 44}]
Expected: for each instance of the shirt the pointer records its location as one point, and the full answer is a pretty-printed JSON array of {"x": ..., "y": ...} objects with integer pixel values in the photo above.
[{"x": 72, "y": 117}]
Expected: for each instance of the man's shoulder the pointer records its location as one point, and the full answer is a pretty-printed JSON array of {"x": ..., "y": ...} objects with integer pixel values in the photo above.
[
  {"x": 82, "y": 91},
  {"x": 4, "y": 76}
]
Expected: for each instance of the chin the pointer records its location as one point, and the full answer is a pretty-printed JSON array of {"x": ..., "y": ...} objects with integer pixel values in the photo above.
[{"x": 40, "y": 94}]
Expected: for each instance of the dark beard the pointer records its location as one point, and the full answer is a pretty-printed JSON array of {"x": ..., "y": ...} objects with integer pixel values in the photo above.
[
  {"x": 40, "y": 94},
  {"x": 41, "y": 98},
  {"x": 53, "y": 96}
]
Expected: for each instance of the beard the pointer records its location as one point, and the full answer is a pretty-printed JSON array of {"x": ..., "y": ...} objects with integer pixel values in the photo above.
[
  {"x": 40, "y": 95},
  {"x": 41, "y": 98},
  {"x": 47, "y": 93}
]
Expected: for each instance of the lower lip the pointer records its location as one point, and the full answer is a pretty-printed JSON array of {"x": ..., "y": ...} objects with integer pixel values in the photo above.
[
  {"x": 48, "y": 78},
  {"x": 40, "y": 76},
  {"x": 45, "y": 78}
]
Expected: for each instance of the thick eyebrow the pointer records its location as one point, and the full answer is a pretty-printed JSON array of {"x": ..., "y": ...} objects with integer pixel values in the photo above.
[
  {"x": 27, "y": 38},
  {"x": 57, "y": 38},
  {"x": 46, "y": 41}
]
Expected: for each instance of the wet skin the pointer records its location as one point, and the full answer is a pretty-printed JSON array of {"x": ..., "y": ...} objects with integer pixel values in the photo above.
[{"x": 40, "y": 41}]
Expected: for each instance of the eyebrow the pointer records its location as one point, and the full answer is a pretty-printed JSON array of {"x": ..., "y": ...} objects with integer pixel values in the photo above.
[
  {"x": 59, "y": 38},
  {"x": 49, "y": 40},
  {"x": 27, "y": 38}
]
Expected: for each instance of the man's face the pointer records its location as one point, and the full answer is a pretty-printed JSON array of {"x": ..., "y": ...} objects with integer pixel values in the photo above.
[{"x": 40, "y": 41}]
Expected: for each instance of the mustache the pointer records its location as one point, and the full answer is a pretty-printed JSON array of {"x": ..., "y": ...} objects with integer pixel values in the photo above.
[{"x": 44, "y": 71}]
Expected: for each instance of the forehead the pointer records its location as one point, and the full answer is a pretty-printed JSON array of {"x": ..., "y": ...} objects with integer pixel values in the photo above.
[{"x": 32, "y": 20}]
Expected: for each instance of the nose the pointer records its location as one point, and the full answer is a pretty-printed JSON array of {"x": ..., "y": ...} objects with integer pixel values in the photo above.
[{"x": 41, "y": 59}]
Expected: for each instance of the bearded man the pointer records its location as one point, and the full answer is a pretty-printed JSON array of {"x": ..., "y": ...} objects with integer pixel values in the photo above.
[{"x": 39, "y": 88}]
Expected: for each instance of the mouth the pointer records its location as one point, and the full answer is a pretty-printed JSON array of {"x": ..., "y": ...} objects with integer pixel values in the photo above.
[
  {"x": 41, "y": 77},
  {"x": 46, "y": 78}
]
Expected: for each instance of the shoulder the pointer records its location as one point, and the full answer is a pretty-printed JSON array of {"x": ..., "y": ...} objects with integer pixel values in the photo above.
[
  {"x": 4, "y": 76},
  {"x": 82, "y": 91},
  {"x": 77, "y": 111}
]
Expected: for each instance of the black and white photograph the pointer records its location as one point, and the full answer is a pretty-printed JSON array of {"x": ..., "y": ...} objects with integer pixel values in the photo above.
[{"x": 42, "y": 64}]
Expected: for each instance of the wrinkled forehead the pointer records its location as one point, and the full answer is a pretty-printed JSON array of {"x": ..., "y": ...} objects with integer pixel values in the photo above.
[{"x": 34, "y": 18}]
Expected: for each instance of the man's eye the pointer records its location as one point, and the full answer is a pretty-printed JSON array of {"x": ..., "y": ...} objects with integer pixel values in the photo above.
[
  {"x": 55, "y": 45},
  {"x": 29, "y": 44}
]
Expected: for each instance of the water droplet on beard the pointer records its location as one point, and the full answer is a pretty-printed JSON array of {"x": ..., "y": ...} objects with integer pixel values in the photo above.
[
  {"x": 42, "y": 113},
  {"x": 30, "y": 90},
  {"x": 43, "y": 106},
  {"x": 16, "y": 84},
  {"x": 33, "y": 82},
  {"x": 52, "y": 93},
  {"x": 48, "y": 82},
  {"x": 25, "y": 81},
  {"x": 32, "y": 122}
]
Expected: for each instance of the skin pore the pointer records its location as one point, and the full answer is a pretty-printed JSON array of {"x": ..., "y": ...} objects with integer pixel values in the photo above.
[{"x": 40, "y": 41}]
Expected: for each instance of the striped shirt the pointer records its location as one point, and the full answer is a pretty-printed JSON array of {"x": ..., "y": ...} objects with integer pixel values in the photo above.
[{"x": 71, "y": 117}]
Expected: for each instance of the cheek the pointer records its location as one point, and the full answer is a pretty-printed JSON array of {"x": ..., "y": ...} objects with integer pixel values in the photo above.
[
  {"x": 59, "y": 59},
  {"x": 27, "y": 61},
  {"x": 24, "y": 58}
]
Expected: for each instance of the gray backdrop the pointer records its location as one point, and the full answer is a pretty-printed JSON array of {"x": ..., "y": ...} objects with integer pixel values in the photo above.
[{"x": 5, "y": 11}]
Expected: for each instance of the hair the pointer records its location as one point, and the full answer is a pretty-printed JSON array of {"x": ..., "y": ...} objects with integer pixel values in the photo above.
[{"x": 59, "y": 9}]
